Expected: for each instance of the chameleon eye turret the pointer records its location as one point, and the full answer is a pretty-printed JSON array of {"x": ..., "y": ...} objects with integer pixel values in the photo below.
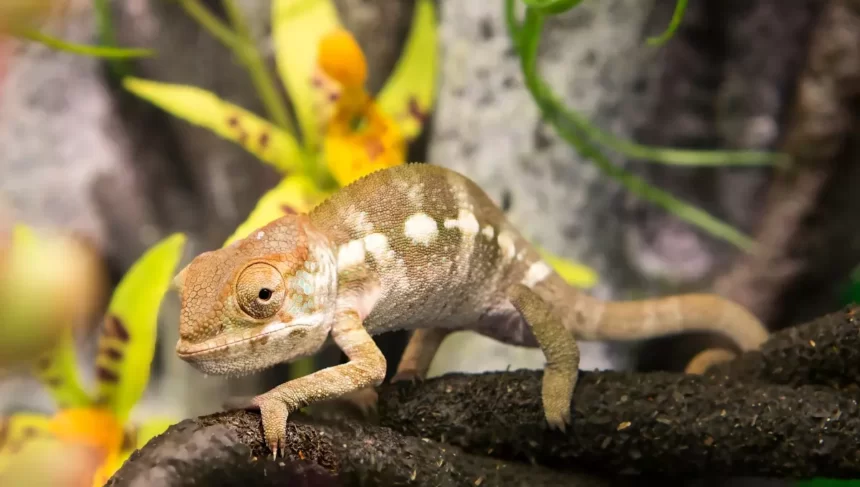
[{"x": 260, "y": 290}]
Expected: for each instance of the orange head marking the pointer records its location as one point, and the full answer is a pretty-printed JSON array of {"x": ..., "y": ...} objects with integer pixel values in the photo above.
[{"x": 271, "y": 293}]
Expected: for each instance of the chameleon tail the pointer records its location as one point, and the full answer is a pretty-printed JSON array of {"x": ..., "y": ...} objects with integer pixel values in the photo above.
[
  {"x": 634, "y": 320},
  {"x": 707, "y": 359}
]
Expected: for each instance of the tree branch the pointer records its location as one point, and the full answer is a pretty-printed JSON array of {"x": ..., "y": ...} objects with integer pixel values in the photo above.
[
  {"x": 228, "y": 449},
  {"x": 768, "y": 413},
  {"x": 822, "y": 352}
]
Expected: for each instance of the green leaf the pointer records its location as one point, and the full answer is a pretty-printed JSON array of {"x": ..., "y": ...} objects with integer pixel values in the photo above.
[
  {"x": 58, "y": 372},
  {"x": 574, "y": 273},
  {"x": 83, "y": 50},
  {"x": 553, "y": 111},
  {"x": 297, "y": 27},
  {"x": 127, "y": 339},
  {"x": 296, "y": 193},
  {"x": 677, "y": 16},
  {"x": 17, "y": 431},
  {"x": 551, "y": 7},
  {"x": 826, "y": 482},
  {"x": 203, "y": 108},
  {"x": 408, "y": 95}
]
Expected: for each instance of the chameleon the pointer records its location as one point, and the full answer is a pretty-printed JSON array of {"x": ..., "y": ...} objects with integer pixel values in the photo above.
[{"x": 412, "y": 247}]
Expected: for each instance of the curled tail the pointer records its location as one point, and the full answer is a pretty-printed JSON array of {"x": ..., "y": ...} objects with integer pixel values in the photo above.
[{"x": 593, "y": 319}]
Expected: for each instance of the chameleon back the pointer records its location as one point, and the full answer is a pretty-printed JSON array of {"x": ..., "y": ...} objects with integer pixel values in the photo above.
[{"x": 440, "y": 248}]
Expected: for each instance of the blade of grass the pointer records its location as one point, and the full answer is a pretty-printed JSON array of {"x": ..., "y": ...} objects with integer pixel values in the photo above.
[{"x": 82, "y": 49}]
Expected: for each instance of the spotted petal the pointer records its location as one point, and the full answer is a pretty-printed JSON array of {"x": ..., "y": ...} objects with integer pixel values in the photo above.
[
  {"x": 232, "y": 122},
  {"x": 127, "y": 340},
  {"x": 57, "y": 370},
  {"x": 410, "y": 92}
]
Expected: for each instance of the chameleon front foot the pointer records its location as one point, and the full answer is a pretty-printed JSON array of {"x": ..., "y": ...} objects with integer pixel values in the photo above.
[{"x": 274, "y": 413}]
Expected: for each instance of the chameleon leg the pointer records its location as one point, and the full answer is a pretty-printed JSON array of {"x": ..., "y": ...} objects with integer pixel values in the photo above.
[
  {"x": 419, "y": 353},
  {"x": 560, "y": 349},
  {"x": 414, "y": 363},
  {"x": 366, "y": 368}
]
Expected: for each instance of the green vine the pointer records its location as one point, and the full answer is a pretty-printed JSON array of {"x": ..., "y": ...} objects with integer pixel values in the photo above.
[
  {"x": 680, "y": 7},
  {"x": 576, "y": 131}
]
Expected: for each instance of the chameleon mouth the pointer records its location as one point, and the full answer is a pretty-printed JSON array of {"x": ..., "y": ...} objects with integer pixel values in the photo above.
[
  {"x": 239, "y": 343},
  {"x": 218, "y": 346}
]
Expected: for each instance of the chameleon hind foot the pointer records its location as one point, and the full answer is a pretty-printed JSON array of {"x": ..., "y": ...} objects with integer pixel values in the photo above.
[
  {"x": 560, "y": 349},
  {"x": 419, "y": 353},
  {"x": 365, "y": 399}
]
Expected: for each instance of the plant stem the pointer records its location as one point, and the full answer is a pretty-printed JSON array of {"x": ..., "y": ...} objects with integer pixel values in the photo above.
[
  {"x": 260, "y": 76},
  {"x": 677, "y": 16},
  {"x": 215, "y": 27},
  {"x": 529, "y": 34},
  {"x": 663, "y": 155}
]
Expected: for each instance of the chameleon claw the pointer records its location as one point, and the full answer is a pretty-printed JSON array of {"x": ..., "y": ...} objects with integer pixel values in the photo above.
[
  {"x": 274, "y": 413},
  {"x": 558, "y": 421}
]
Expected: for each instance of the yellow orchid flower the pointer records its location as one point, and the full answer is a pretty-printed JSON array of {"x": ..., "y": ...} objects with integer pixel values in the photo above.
[{"x": 95, "y": 426}]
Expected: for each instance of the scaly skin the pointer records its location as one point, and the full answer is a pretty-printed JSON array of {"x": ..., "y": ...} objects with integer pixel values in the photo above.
[{"x": 415, "y": 247}]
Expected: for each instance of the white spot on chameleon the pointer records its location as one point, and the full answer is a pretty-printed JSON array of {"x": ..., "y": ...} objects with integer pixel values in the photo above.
[
  {"x": 377, "y": 244},
  {"x": 488, "y": 231},
  {"x": 359, "y": 222},
  {"x": 537, "y": 273},
  {"x": 260, "y": 235},
  {"x": 506, "y": 243},
  {"x": 420, "y": 228},
  {"x": 465, "y": 221},
  {"x": 350, "y": 254}
]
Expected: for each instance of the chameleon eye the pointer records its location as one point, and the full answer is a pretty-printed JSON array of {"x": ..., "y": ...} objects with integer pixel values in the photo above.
[{"x": 260, "y": 291}]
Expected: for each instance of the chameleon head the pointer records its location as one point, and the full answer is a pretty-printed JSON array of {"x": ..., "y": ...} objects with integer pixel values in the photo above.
[{"x": 263, "y": 300}]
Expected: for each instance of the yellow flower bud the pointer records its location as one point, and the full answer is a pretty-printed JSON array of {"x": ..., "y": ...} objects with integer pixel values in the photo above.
[{"x": 340, "y": 57}]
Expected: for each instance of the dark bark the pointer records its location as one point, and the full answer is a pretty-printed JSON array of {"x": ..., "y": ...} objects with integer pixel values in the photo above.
[
  {"x": 731, "y": 422},
  {"x": 767, "y": 414},
  {"x": 656, "y": 423},
  {"x": 823, "y": 352},
  {"x": 227, "y": 449}
]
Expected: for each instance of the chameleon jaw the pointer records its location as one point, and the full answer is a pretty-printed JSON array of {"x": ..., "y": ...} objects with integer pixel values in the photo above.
[
  {"x": 218, "y": 345},
  {"x": 256, "y": 348}
]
